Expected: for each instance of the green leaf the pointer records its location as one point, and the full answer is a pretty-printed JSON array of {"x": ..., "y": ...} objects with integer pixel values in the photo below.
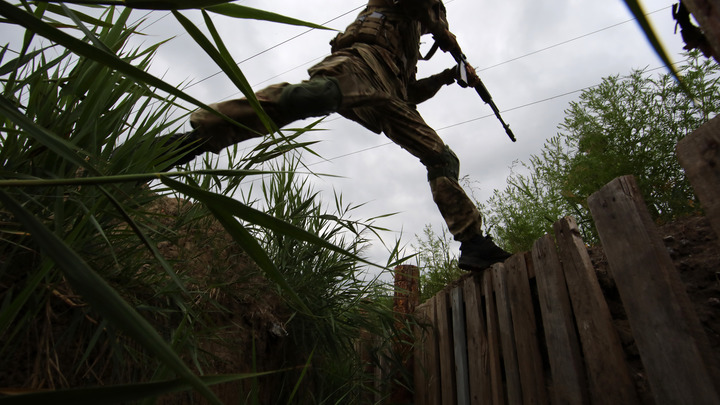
[
  {"x": 33, "y": 24},
  {"x": 58, "y": 145},
  {"x": 238, "y": 11},
  {"x": 223, "y": 59},
  {"x": 249, "y": 214},
  {"x": 82, "y": 16},
  {"x": 221, "y": 208},
  {"x": 171, "y": 4}
]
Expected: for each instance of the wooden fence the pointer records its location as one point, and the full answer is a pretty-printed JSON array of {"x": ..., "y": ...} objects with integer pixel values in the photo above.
[{"x": 537, "y": 329}]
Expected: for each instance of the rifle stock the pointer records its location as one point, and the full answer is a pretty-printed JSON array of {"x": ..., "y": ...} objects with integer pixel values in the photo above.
[{"x": 481, "y": 90}]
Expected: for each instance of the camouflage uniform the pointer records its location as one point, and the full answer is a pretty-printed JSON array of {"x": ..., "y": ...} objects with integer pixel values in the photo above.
[{"x": 373, "y": 64}]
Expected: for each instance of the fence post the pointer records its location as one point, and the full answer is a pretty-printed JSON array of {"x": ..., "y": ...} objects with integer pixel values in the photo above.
[
  {"x": 532, "y": 375},
  {"x": 460, "y": 346},
  {"x": 609, "y": 378},
  {"x": 568, "y": 374},
  {"x": 426, "y": 360},
  {"x": 493, "y": 335},
  {"x": 507, "y": 335},
  {"x": 443, "y": 320},
  {"x": 406, "y": 299},
  {"x": 666, "y": 328},
  {"x": 477, "y": 342}
]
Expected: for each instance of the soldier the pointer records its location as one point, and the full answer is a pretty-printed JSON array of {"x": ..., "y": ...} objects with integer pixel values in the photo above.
[{"x": 369, "y": 78}]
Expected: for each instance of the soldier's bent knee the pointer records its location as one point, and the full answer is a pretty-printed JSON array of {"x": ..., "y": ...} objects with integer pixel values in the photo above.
[
  {"x": 315, "y": 97},
  {"x": 446, "y": 164}
]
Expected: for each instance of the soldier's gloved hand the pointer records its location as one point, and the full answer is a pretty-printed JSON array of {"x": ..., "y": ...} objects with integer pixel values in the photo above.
[
  {"x": 449, "y": 75},
  {"x": 472, "y": 77}
]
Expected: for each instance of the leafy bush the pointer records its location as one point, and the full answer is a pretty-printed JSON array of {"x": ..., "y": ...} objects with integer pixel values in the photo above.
[
  {"x": 623, "y": 126},
  {"x": 437, "y": 264}
]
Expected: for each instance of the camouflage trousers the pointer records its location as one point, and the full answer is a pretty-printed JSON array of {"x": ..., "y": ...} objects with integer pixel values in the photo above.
[{"x": 372, "y": 96}]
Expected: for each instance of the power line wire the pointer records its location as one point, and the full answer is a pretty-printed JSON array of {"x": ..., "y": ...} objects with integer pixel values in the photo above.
[{"x": 569, "y": 40}]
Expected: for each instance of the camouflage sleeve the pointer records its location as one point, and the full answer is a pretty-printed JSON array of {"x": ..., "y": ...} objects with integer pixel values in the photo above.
[
  {"x": 426, "y": 88},
  {"x": 431, "y": 14}
]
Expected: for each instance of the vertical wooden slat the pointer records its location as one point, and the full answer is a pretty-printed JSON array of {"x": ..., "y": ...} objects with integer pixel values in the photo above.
[
  {"x": 569, "y": 385},
  {"x": 532, "y": 375},
  {"x": 422, "y": 377},
  {"x": 477, "y": 343},
  {"x": 460, "y": 346},
  {"x": 493, "y": 330},
  {"x": 699, "y": 155},
  {"x": 666, "y": 328},
  {"x": 446, "y": 351},
  {"x": 433, "y": 353},
  {"x": 507, "y": 335},
  {"x": 427, "y": 367},
  {"x": 609, "y": 379}
]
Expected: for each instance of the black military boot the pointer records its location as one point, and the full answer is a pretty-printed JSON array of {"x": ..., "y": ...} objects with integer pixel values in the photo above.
[
  {"x": 479, "y": 253},
  {"x": 189, "y": 146}
]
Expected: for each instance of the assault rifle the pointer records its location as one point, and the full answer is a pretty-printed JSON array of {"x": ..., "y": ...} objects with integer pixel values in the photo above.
[{"x": 463, "y": 80}]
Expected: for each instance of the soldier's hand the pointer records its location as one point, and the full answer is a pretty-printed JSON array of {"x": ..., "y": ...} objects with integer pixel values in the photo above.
[
  {"x": 449, "y": 75},
  {"x": 472, "y": 77}
]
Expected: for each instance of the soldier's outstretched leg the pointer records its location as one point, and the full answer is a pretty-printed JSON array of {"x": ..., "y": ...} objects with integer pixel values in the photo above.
[
  {"x": 283, "y": 103},
  {"x": 404, "y": 125}
]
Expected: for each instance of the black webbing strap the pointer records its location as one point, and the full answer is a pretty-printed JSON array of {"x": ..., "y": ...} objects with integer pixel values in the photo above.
[{"x": 431, "y": 52}]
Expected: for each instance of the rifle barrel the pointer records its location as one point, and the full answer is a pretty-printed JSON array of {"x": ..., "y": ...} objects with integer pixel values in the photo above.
[
  {"x": 484, "y": 94},
  {"x": 508, "y": 131}
]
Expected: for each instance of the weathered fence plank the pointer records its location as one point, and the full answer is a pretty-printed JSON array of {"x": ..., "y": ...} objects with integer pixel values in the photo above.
[
  {"x": 477, "y": 343},
  {"x": 532, "y": 375},
  {"x": 460, "y": 345},
  {"x": 422, "y": 375},
  {"x": 446, "y": 350},
  {"x": 434, "y": 394},
  {"x": 493, "y": 335},
  {"x": 699, "y": 155},
  {"x": 666, "y": 329},
  {"x": 569, "y": 385},
  {"x": 507, "y": 335},
  {"x": 609, "y": 378},
  {"x": 427, "y": 370}
]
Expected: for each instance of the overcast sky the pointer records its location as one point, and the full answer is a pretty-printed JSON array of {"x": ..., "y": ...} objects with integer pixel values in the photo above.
[{"x": 534, "y": 57}]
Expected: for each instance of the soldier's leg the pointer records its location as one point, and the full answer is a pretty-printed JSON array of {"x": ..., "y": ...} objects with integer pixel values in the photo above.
[
  {"x": 283, "y": 103},
  {"x": 404, "y": 125}
]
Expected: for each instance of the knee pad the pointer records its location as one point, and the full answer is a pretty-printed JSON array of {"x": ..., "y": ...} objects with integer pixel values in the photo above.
[
  {"x": 446, "y": 164},
  {"x": 315, "y": 97}
]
